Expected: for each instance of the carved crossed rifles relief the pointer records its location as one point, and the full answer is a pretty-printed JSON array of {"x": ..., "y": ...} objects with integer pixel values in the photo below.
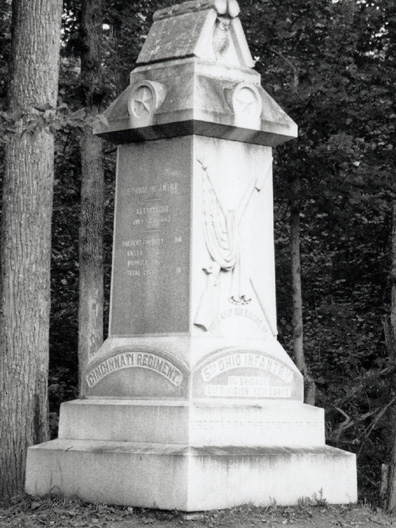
[{"x": 222, "y": 239}]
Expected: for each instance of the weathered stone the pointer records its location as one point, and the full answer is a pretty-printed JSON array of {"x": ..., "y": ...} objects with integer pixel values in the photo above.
[
  {"x": 191, "y": 403},
  {"x": 179, "y": 477},
  {"x": 199, "y": 97},
  {"x": 272, "y": 423}
]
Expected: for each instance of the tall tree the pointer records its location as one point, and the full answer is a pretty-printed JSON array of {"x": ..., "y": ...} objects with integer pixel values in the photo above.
[
  {"x": 390, "y": 332},
  {"x": 298, "y": 333},
  {"x": 26, "y": 238},
  {"x": 388, "y": 49},
  {"x": 90, "y": 334}
]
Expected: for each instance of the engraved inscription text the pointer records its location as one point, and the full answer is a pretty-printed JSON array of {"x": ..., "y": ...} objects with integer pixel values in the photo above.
[{"x": 135, "y": 359}]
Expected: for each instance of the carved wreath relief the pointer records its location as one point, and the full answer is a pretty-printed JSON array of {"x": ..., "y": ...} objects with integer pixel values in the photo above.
[{"x": 145, "y": 99}]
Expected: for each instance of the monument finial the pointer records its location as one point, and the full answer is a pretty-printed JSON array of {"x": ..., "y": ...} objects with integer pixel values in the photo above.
[{"x": 228, "y": 8}]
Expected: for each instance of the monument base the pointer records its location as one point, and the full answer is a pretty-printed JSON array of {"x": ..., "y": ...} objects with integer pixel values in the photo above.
[
  {"x": 277, "y": 452},
  {"x": 177, "y": 477}
]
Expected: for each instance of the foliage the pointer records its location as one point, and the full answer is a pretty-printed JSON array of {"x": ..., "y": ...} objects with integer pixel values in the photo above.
[
  {"x": 331, "y": 66},
  {"x": 5, "y": 41},
  {"x": 31, "y": 122},
  {"x": 62, "y": 386}
]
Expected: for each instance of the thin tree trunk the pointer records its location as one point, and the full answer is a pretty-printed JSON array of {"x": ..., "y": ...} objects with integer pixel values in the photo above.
[
  {"x": 298, "y": 345},
  {"x": 26, "y": 242},
  {"x": 296, "y": 275},
  {"x": 90, "y": 335},
  {"x": 90, "y": 316},
  {"x": 391, "y": 499}
]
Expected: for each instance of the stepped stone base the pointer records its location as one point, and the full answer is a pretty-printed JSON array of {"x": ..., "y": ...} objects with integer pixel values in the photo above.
[
  {"x": 184, "y": 465},
  {"x": 267, "y": 423},
  {"x": 189, "y": 478}
]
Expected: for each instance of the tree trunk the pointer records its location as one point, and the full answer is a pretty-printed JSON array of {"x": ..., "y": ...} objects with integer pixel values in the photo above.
[
  {"x": 90, "y": 317},
  {"x": 391, "y": 498},
  {"x": 298, "y": 346},
  {"x": 26, "y": 241}
]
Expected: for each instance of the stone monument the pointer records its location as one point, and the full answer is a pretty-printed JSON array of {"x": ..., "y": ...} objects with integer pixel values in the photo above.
[{"x": 191, "y": 403}]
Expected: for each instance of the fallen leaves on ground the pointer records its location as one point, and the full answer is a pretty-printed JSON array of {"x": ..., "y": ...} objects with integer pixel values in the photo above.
[{"x": 32, "y": 512}]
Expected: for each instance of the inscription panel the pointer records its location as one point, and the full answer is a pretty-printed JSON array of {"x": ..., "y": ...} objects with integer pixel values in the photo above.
[
  {"x": 136, "y": 373},
  {"x": 255, "y": 425},
  {"x": 138, "y": 360},
  {"x": 256, "y": 429},
  {"x": 244, "y": 374},
  {"x": 152, "y": 243}
]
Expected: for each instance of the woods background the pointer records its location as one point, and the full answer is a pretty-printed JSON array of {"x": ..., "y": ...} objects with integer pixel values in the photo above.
[{"x": 332, "y": 66}]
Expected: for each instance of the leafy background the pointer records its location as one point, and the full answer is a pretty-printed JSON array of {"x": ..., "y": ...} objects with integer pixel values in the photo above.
[{"x": 331, "y": 66}]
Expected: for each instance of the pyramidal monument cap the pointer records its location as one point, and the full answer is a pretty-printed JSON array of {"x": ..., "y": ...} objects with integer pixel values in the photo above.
[{"x": 195, "y": 75}]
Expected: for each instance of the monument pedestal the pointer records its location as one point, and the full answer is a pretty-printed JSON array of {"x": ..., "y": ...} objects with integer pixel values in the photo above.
[
  {"x": 191, "y": 403},
  {"x": 191, "y": 457}
]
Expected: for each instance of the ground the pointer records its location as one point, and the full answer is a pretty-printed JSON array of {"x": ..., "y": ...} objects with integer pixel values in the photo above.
[{"x": 32, "y": 512}]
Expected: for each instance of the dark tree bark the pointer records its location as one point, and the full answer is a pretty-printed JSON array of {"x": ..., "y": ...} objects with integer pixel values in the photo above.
[
  {"x": 90, "y": 335},
  {"x": 391, "y": 345},
  {"x": 26, "y": 241},
  {"x": 298, "y": 344}
]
